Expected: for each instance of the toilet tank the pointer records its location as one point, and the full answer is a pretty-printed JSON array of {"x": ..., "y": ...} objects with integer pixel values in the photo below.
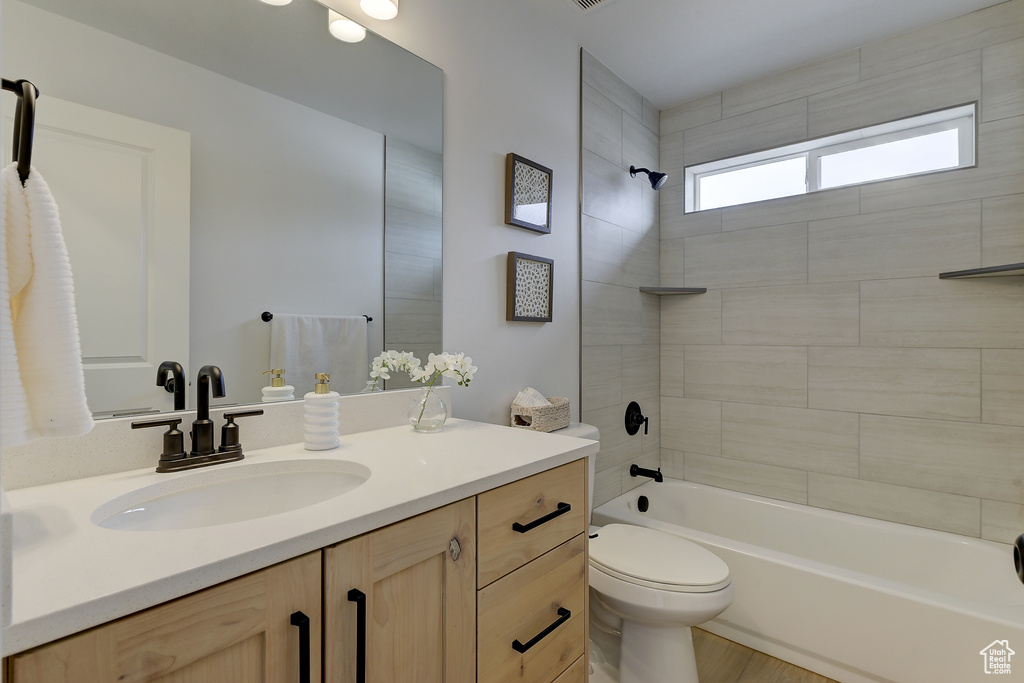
[{"x": 582, "y": 430}]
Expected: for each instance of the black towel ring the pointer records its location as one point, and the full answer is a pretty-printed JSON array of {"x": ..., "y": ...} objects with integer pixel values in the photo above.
[{"x": 24, "y": 123}]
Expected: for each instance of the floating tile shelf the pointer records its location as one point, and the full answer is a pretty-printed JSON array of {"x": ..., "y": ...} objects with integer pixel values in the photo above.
[
  {"x": 662, "y": 291},
  {"x": 990, "y": 271}
]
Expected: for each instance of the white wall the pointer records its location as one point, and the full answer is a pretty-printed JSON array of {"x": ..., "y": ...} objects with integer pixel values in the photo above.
[{"x": 511, "y": 85}]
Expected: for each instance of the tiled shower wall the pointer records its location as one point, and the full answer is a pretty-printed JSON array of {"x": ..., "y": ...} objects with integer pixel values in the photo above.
[
  {"x": 828, "y": 364},
  {"x": 620, "y": 254}
]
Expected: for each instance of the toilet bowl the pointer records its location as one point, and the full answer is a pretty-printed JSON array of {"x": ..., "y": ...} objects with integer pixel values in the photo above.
[{"x": 648, "y": 587}]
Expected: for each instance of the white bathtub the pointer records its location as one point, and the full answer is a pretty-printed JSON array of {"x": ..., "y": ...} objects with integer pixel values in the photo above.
[{"x": 852, "y": 598}]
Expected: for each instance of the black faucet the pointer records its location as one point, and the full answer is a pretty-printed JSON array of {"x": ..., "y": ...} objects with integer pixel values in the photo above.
[
  {"x": 210, "y": 380},
  {"x": 175, "y": 384},
  {"x": 637, "y": 471}
]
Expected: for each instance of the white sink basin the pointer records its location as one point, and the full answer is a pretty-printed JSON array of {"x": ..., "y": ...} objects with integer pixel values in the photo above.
[{"x": 230, "y": 493}]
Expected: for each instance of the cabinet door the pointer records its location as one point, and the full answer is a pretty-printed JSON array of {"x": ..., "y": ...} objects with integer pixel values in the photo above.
[
  {"x": 418, "y": 582},
  {"x": 236, "y": 632}
]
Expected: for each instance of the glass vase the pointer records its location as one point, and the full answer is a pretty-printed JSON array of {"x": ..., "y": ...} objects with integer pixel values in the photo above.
[{"x": 428, "y": 412}]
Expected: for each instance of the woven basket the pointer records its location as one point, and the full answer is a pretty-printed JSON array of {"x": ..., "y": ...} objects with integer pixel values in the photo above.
[{"x": 542, "y": 418}]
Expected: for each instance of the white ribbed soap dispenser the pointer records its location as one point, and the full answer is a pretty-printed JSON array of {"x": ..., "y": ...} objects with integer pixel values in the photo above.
[
  {"x": 321, "y": 415},
  {"x": 278, "y": 390}
]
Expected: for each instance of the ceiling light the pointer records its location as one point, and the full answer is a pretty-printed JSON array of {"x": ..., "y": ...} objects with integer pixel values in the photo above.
[
  {"x": 380, "y": 9},
  {"x": 343, "y": 28},
  {"x": 277, "y": 3}
]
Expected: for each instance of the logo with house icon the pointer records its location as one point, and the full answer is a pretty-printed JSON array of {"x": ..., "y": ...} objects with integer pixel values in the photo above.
[{"x": 997, "y": 657}]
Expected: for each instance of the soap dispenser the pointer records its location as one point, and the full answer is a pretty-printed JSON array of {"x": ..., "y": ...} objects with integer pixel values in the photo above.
[
  {"x": 278, "y": 390},
  {"x": 321, "y": 415}
]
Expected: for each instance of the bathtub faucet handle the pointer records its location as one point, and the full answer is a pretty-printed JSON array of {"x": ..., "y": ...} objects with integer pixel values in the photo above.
[
  {"x": 637, "y": 471},
  {"x": 635, "y": 418}
]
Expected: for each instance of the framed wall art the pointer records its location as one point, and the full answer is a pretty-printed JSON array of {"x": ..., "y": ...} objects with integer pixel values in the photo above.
[
  {"x": 530, "y": 281},
  {"x": 527, "y": 194}
]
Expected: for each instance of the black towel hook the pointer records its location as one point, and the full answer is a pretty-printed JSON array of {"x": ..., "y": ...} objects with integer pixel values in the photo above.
[{"x": 24, "y": 123}]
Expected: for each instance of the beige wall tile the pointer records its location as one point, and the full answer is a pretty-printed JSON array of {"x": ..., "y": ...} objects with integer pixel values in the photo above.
[
  {"x": 815, "y": 206},
  {"x": 652, "y": 117},
  {"x": 895, "y": 95},
  {"x": 1001, "y": 522},
  {"x": 929, "y": 383},
  {"x": 617, "y": 447},
  {"x": 601, "y": 251},
  {"x": 779, "y": 483},
  {"x": 410, "y": 232},
  {"x": 640, "y": 258},
  {"x": 690, "y": 114},
  {"x": 795, "y": 315},
  {"x": 640, "y": 374},
  {"x": 602, "y": 126},
  {"x": 762, "y": 129},
  {"x": 748, "y": 258},
  {"x": 420, "y": 322},
  {"x": 409, "y": 277},
  {"x": 672, "y": 160},
  {"x": 942, "y": 511},
  {"x": 690, "y": 224},
  {"x": 797, "y": 438},
  {"x": 611, "y": 86},
  {"x": 672, "y": 368},
  {"x": 955, "y": 457},
  {"x": 774, "y": 375},
  {"x": 999, "y": 172},
  {"x": 1002, "y": 88},
  {"x": 1002, "y": 239},
  {"x": 640, "y": 145},
  {"x": 672, "y": 262},
  {"x": 929, "y": 312},
  {"x": 824, "y": 74},
  {"x": 1002, "y": 386},
  {"x": 970, "y": 32},
  {"x": 650, "y": 320},
  {"x": 692, "y": 426},
  {"x": 610, "y": 194},
  {"x": 672, "y": 464},
  {"x": 601, "y": 373},
  {"x": 692, "y": 319},
  {"x": 607, "y": 485},
  {"x": 921, "y": 241},
  {"x": 611, "y": 315}
]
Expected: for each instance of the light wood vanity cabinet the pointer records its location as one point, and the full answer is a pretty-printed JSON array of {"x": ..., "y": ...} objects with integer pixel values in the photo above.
[
  {"x": 440, "y": 597},
  {"x": 236, "y": 631},
  {"x": 532, "y": 572},
  {"x": 412, "y": 587}
]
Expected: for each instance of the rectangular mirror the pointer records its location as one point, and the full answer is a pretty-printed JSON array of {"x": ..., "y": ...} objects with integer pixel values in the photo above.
[{"x": 306, "y": 178}]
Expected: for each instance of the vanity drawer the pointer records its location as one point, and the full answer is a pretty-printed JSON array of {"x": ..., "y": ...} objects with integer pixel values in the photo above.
[
  {"x": 578, "y": 672},
  {"x": 523, "y": 520},
  {"x": 540, "y": 607}
]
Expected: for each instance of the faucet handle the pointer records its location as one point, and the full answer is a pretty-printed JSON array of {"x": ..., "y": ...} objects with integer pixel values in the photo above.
[
  {"x": 229, "y": 432},
  {"x": 174, "y": 439}
]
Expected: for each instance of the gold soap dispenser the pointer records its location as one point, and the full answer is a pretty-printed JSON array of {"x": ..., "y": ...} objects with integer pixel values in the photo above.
[{"x": 278, "y": 390}]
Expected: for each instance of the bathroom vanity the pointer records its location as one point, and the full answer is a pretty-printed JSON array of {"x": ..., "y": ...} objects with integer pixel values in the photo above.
[{"x": 461, "y": 557}]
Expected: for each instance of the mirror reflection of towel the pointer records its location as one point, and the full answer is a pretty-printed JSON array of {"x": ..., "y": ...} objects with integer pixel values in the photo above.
[
  {"x": 305, "y": 345},
  {"x": 42, "y": 386}
]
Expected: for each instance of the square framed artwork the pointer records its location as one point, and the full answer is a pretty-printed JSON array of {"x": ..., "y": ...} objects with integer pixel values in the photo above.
[
  {"x": 530, "y": 281},
  {"x": 527, "y": 194}
]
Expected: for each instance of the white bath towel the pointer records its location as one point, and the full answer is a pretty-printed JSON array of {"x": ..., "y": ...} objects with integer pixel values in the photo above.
[
  {"x": 42, "y": 386},
  {"x": 307, "y": 344}
]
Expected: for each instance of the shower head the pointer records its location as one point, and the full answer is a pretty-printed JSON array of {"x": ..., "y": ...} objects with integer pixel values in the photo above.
[{"x": 657, "y": 179}]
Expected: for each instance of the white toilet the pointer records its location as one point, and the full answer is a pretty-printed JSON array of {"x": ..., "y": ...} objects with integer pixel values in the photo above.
[{"x": 651, "y": 586}]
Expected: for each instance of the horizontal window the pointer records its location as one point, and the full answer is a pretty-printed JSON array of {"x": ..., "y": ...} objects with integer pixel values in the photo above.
[{"x": 929, "y": 143}]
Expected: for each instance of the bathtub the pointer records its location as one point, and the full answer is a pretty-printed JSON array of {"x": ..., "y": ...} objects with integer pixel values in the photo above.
[{"x": 852, "y": 598}]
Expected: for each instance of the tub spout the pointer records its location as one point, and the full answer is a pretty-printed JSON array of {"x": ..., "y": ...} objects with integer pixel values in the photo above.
[{"x": 637, "y": 471}]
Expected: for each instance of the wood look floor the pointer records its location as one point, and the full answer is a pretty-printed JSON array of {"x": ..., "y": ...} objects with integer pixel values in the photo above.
[{"x": 723, "y": 661}]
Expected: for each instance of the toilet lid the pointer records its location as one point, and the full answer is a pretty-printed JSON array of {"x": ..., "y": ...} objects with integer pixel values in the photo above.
[{"x": 650, "y": 556}]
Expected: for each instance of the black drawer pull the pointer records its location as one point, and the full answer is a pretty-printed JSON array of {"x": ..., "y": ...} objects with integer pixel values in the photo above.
[
  {"x": 523, "y": 528},
  {"x": 302, "y": 621},
  {"x": 359, "y": 597},
  {"x": 563, "y": 616}
]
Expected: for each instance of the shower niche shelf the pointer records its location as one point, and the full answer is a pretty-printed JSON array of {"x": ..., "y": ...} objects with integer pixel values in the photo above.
[
  {"x": 989, "y": 271},
  {"x": 665, "y": 291}
]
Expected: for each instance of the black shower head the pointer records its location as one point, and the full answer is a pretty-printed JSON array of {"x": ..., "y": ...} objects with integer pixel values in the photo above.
[{"x": 657, "y": 179}]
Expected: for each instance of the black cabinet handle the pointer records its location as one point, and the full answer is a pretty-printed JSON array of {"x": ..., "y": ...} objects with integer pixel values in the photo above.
[
  {"x": 302, "y": 621},
  {"x": 359, "y": 597},
  {"x": 523, "y": 528},
  {"x": 563, "y": 616}
]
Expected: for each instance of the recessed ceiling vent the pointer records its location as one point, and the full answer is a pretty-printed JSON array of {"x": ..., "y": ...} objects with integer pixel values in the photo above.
[{"x": 587, "y": 5}]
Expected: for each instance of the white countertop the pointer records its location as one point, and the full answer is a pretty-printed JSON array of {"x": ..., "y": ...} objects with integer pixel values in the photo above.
[{"x": 69, "y": 574}]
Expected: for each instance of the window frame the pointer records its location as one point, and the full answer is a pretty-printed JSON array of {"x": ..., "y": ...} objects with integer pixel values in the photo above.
[{"x": 962, "y": 117}]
